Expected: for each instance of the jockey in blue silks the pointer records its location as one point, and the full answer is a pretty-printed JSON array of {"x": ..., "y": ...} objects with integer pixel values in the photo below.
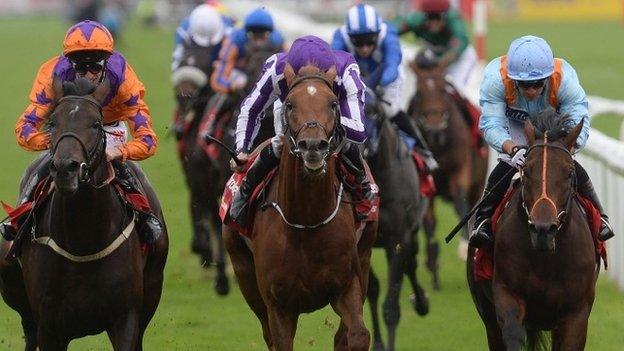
[{"x": 376, "y": 48}]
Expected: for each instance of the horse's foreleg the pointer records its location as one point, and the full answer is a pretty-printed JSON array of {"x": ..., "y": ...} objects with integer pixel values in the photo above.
[
  {"x": 433, "y": 248},
  {"x": 571, "y": 331},
  {"x": 124, "y": 333},
  {"x": 391, "y": 309},
  {"x": 510, "y": 313},
  {"x": 222, "y": 283},
  {"x": 458, "y": 187},
  {"x": 244, "y": 268},
  {"x": 349, "y": 306},
  {"x": 373, "y": 297},
  {"x": 419, "y": 300},
  {"x": 201, "y": 244},
  {"x": 283, "y": 325}
]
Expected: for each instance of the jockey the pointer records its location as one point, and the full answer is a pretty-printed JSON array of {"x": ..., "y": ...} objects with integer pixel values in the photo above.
[
  {"x": 258, "y": 32},
  {"x": 443, "y": 29},
  {"x": 88, "y": 52},
  {"x": 205, "y": 27},
  {"x": 271, "y": 88},
  {"x": 526, "y": 81},
  {"x": 375, "y": 46}
]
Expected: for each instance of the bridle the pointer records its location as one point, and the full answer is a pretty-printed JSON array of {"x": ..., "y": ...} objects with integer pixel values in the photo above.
[
  {"x": 334, "y": 137},
  {"x": 561, "y": 214},
  {"x": 96, "y": 152}
]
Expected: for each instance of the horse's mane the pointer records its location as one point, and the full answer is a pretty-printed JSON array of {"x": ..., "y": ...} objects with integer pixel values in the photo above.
[
  {"x": 308, "y": 70},
  {"x": 80, "y": 86},
  {"x": 552, "y": 122}
]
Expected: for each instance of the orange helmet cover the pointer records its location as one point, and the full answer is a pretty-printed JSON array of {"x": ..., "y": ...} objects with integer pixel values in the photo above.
[{"x": 88, "y": 35}]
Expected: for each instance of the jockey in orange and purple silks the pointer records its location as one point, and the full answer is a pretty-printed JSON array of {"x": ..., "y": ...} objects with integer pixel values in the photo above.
[{"x": 88, "y": 52}]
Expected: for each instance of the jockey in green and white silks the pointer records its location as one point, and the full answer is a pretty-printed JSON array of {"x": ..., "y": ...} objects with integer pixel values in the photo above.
[{"x": 526, "y": 81}]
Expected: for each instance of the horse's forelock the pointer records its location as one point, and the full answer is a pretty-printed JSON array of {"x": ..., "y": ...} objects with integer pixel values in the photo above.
[
  {"x": 551, "y": 122},
  {"x": 308, "y": 70},
  {"x": 80, "y": 86}
]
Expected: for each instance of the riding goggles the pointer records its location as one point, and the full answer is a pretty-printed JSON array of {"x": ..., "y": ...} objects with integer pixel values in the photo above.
[
  {"x": 434, "y": 16},
  {"x": 526, "y": 84},
  {"x": 364, "y": 40},
  {"x": 93, "y": 67}
]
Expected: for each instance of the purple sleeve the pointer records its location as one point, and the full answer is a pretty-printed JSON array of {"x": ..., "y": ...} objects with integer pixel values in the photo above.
[{"x": 352, "y": 104}]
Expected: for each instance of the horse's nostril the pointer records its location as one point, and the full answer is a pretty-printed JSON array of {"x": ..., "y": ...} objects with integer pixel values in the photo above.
[
  {"x": 323, "y": 145},
  {"x": 302, "y": 145}
]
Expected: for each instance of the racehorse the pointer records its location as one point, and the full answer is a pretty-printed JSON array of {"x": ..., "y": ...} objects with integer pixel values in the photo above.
[
  {"x": 402, "y": 208},
  {"x": 460, "y": 177},
  {"x": 206, "y": 175},
  {"x": 304, "y": 252},
  {"x": 83, "y": 270},
  {"x": 545, "y": 264}
]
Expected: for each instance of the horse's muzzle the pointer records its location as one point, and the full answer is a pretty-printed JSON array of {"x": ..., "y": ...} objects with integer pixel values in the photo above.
[
  {"x": 313, "y": 152},
  {"x": 67, "y": 174},
  {"x": 543, "y": 236}
]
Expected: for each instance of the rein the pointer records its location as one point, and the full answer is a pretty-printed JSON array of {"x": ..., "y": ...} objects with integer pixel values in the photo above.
[{"x": 544, "y": 194}]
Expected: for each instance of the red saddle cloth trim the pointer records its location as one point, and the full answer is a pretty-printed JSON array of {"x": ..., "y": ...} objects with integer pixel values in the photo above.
[
  {"x": 366, "y": 211},
  {"x": 212, "y": 150},
  {"x": 42, "y": 190},
  {"x": 484, "y": 257},
  {"x": 427, "y": 184}
]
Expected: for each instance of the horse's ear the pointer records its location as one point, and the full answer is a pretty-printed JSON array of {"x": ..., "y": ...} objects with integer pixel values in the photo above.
[
  {"x": 57, "y": 88},
  {"x": 529, "y": 130},
  {"x": 102, "y": 91},
  {"x": 414, "y": 66},
  {"x": 289, "y": 74},
  {"x": 330, "y": 74},
  {"x": 570, "y": 140}
]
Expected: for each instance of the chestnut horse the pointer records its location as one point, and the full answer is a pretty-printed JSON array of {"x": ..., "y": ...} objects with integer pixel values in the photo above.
[
  {"x": 461, "y": 175},
  {"x": 90, "y": 275},
  {"x": 304, "y": 252},
  {"x": 545, "y": 265}
]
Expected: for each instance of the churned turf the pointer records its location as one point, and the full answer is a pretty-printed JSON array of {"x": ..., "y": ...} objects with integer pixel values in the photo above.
[{"x": 191, "y": 316}]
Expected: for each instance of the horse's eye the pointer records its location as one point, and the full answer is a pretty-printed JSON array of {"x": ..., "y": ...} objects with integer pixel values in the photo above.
[
  {"x": 289, "y": 106},
  {"x": 334, "y": 105},
  {"x": 97, "y": 125}
]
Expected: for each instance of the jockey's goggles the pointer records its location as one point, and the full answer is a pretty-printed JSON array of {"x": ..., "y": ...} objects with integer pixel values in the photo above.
[
  {"x": 364, "y": 40},
  {"x": 93, "y": 67},
  {"x": 526, "y": 84},
  {"x": 434, "y": 16}
]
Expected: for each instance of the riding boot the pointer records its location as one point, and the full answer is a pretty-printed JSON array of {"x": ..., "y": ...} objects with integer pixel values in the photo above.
[
  {"x": 586, "y": 189},
  {"x": 405, "y": 124},
  {"x": 148, "y": 224},
  {"x": 7, "y": 231},
  {"x": 264, "y": 163},
  {"x": 492, "y": 196},
  {"x": 353, "y": 160}
]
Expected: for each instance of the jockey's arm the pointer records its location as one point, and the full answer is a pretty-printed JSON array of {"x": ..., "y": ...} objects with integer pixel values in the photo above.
[
  {"x": 352, "y": 105},
  {"x": 176, "y": 56},
  {"x": 134, "y": 111},
  {"x": 220, "y": 78},
  {"x": 459, "y": 40},
  {"x": 29, "y": 127},
  {"x": 493, "y": 122},
  {"x": 391, "y": 48},
  {"x": 262, "y": 96},
  {"x": 573, "y": 102},
  {"x": 409, "y": 22}
]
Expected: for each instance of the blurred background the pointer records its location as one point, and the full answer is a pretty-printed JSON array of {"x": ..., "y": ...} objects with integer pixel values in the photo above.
[{"x": 191, "y": 316}]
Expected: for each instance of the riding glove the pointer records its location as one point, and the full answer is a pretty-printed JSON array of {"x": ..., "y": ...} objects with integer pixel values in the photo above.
[{"x": 518, "y": 156}]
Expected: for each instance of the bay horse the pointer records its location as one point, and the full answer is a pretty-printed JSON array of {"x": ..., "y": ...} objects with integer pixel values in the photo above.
[
  {"x": 545, "y": 264},
  {"x": 460, "y": 177},
  {"x": 82, "y": 270},
  {"x": 402, "y": 208},
  {"x": 304, "y": 252}
]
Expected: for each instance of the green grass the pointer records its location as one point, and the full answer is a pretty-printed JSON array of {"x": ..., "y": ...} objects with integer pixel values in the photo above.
[{"x": 191, "y": 316}]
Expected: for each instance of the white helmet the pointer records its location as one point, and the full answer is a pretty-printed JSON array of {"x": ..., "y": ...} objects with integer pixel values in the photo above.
[{"x": 206, "y": 26}]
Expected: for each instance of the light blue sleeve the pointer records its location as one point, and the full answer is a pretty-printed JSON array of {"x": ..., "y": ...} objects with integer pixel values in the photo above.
[
  {"x": 493, "y": 122},
  {"x": 181, "y": 33},
  {"x": 573, "y": 102},
  {"x": 338, "y": 42},
  {"x": 391, "y": 48}
]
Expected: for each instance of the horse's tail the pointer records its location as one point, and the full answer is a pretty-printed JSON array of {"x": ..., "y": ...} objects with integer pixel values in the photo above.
[{"x": 537, "y": 340}]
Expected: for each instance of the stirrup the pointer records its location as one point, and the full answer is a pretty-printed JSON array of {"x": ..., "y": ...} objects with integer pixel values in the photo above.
[
  {"x": 606, "y": 231},
  {"x": 480, "y": 237}
]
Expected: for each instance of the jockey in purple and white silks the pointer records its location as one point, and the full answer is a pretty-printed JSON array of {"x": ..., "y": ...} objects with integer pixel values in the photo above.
[
  {"x": 271, "y": 90},
  {"x": 376, "y": 48}
]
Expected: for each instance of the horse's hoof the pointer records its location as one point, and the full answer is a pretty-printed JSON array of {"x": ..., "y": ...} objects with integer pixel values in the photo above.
[
  {"x": 436, "y": 285},
  {"x": 222, "y": 286},
  {"x": 420, "y": 305},
  {"x": 379, "y": 346}
]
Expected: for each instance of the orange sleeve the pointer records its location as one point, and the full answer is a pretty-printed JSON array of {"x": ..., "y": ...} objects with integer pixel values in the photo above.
[
  {"x": 29, "y": 127},
  {"x": 220, "y": 78},
  {"x": 131, "y": 108}
]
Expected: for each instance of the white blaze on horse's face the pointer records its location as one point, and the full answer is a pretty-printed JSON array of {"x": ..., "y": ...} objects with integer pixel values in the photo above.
[
  {"x": 74, "y": 110},
  {"x": 311, "y": 90},
  {"x": 430, "y": 82}
]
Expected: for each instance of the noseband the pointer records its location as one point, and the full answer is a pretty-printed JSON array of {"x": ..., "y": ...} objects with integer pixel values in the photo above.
[
  {"x": 294, "y": 135},
  {"x": 562, "y": 214},
  {"x": 98, "y": 148}
]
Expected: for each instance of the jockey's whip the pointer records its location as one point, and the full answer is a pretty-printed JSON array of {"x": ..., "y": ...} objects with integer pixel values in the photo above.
[
  {"x": 226, "y": 148},
  {"x": 466, "y": 218}
]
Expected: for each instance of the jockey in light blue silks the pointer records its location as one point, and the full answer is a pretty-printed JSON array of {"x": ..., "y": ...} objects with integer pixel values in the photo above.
[
  {"x": 376, "y": 48},
  {"x": 271, "y": 91},
  {"x": 524, "y": 82}
]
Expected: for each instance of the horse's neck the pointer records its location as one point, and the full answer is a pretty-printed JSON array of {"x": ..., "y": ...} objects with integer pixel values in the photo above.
[
  {"x": 305, "y": 199},
  {"x": 389, "y": 146}
]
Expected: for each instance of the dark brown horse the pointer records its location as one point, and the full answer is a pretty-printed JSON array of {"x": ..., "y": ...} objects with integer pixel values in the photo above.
[
  {"x": 206, "y": 176},
  {"x": 90, "y": 275},
  {"x": 545, "y": 265},
  {"x": 462, "y": 171},
  {"x": 305, "y": 252},
  {"x": 401, "y": 211}
]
